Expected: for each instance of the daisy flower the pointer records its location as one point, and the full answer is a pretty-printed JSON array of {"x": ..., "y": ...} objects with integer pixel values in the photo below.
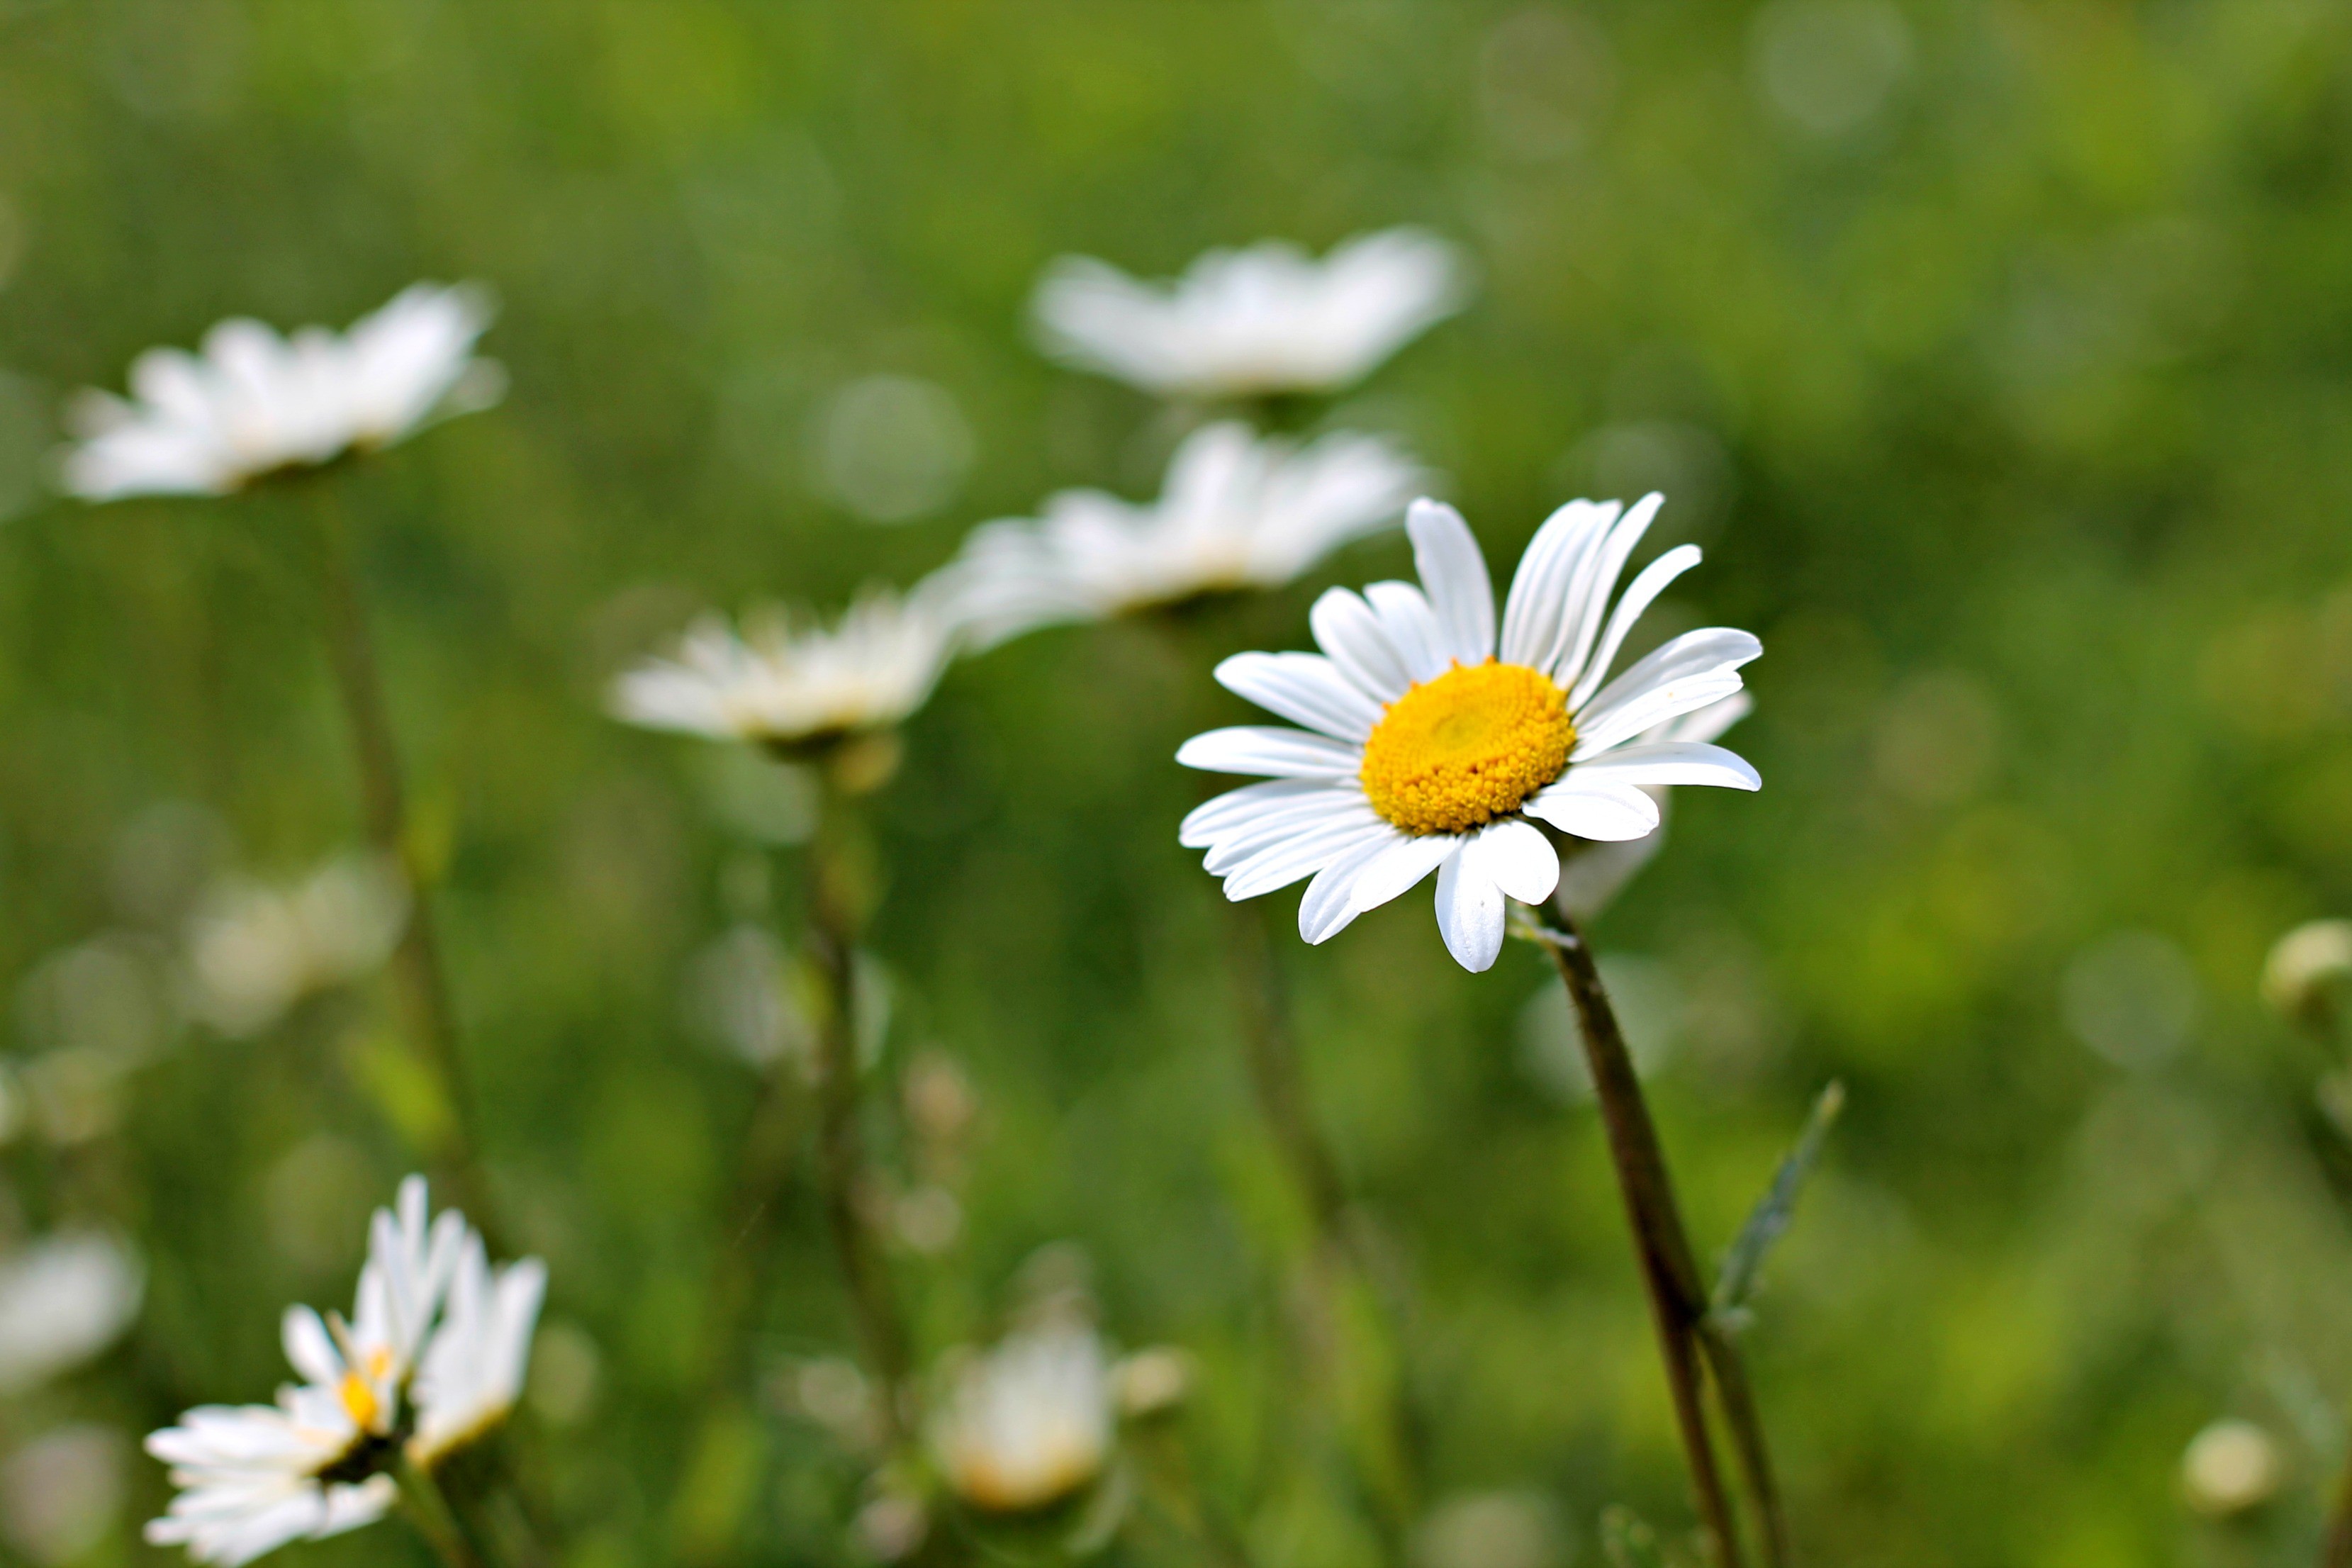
[
  {"x": 63, "y": 1298},
  {"x": 1030, "y": 1422},
  {"x": 473, "y": 1369},
  {"x": 255, "y": 1476},
  {"x": 254, "y": 402},
  {"x": 796, "y": 687},
  {"x": 1235, "y": 511},
  {"x": 1246, "y": 323},
  {"x": 255, "y": 950},
  {"x": 1431, "y": 748}
]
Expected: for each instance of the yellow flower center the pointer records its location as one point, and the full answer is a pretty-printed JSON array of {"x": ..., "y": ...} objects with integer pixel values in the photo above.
[
  {"x": 359, "y": 1399},
  {"x": 1467, "y": 747}
]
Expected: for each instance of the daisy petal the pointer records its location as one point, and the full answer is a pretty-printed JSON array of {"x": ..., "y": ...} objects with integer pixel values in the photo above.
[
  {"x": 1688, "y": 673},
  {"x": 1454, "y": 575},
  {"x": 1412, "y": 627},
  {"x": 1710, "y": 723},
  {"x": 1595, "y": 581},
  {"x": 1304, "y": 688},
  {"x": 1347, "y": 631},
  {"x": 1326, "y": 908},
  {"x": 1285, "y": 855},
  {"x": 1399, "y": 868},
  {"x": 1606, "y": 812},
  {"x": 1518, "y": 859},
  {"x": 1645, "y": 589},
  {"x": 1264, "y": 749},
  {"x": 1531, "y": 615},
  {"x": 1672, "y": 762},
  {"x": 1469, "y": 913},
  {"x": 1235, "y": 810}
]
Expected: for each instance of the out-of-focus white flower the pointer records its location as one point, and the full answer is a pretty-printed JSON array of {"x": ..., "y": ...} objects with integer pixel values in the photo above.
[
  {"x": 1239, "y": 324},
  {"x": 1235, "y": 511},
  {"x": 2230, "y": 1468},
  {"x": 1421, "y": 751},
  {"x": 254, "y": 951},
  {"x": 254, "y": 402},
  {"x": 255, "y": 1476},
  {"x": 1030, "y": 1422},
  {"x": 63, "y": 1300},
  {"x": 2307, "y": 968},
  {"x": 790, "y": 685},
  {"x": 473, "y": 1368},
  {"x": 1591, "y": 878}
]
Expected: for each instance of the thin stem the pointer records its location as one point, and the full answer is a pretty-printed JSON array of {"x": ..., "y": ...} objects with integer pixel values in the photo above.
[
  {"x": 430, "y": 1512},
  {"x": 1669, "y": 1272},
  {"x": 2336, "y": 1553},
  {"x": 842, "y": 1162},
  {"x": 1736, "y": 1396},
  {"x": 416, "y": 962}
]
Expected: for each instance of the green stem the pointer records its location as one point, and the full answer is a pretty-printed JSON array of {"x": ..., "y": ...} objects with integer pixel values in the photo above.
[
  {"x": 1669, "y": 1271},
  {"x": 2337, "y": 1550},
  {"x": 416, "y": 962},
  {"x": 430, "y": 1512}
]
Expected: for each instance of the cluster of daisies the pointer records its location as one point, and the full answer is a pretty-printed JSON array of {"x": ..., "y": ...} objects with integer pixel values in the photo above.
[
  {"x": 1503, "y": 754},
  {"x": 430, "y": 1362}
]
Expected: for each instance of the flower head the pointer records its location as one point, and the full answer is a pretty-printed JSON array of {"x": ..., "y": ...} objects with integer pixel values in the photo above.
[
  {"x": 1239, "y": 324},
  {"x": 255, "y": 1476},
  {"x": 1425, "y": 752},
  {"x": 254, "y": 402},
  {"x": 1030, "y": 1422},
  {"x": 1235, "y": 512},
  {"x": 473, "y": 1368},
  {"x": 790, "y": 685}
]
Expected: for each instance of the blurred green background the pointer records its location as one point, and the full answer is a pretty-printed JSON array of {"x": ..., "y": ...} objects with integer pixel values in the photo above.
[{"x": 1997, "y": 352}]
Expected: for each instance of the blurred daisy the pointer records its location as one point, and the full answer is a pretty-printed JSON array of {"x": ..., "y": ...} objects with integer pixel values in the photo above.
[
  {"x": 1591, "y": 878},
  {"x": 1030, "y": 1422},
  {"x": 255, "y": 1476},
  {"x": 794, "y": 687},
  {"x": 63, "y": 1298},
  {"x": 255, "y": 950},
  {"x": 1243, "y": 323},
  {"x": 254, "y": 402},
  {"x": 1425, "y": 752},
  {"x": 1234, "y": 512},
  {"x": 473, "y": 1369}
]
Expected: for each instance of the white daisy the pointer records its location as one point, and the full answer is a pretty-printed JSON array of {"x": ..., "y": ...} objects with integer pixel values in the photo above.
[
  {"x": 473, "y": 1369},
  {"x": 1243, "y": 323},
  {"x": 1425, "y": 752},
  {"x": 255, "y": 1476},
  {"x": 63, "y": 1298},
  {"x": 254, "y": 402},
  {"x": 1591, "y": 878},
  {"x": 1235, "y": 511},
  {"x": 1030, "y": 1422},
  {"x": 255, "y": 950},
  {"x": 796, "y": 686}
]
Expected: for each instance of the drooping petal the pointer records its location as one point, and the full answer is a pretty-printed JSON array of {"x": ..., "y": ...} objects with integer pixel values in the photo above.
[
  {"x": 1304, "y": 688},
  {"x": 1518, "y": 859},
  {"x": 1401, "y": 867},
  {"x": 1454, "y": 574},
  {"x": 1469, "y": 913},
  {"x": 1276, "y": 752},
  {"x": 1326, "y": 908}
]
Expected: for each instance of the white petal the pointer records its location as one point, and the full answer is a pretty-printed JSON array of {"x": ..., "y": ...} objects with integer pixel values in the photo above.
[
  {"x": 1593, "y": 876},
  {"x": 1236, "y": 809},
  {"x": 1412, "y": 627},
  {"x": 1539, "y": 596},
  {"x": 1304, "y": 688},
  {"x": 1518, "y": 859},
  {"x": 1645, "y": 589},
  {"x": 1671, "y": 763},
  {"x": 1454, "y": 575},
  {"x": 1469, "y": 914},
  {"x": 1688, "y": 673},
  {"x": 308, "y": 1346},
  {"x": 1347, "y": 631},
  {"x": 1588, "y": 599},
  {"x": 1606, "y": 812},
  {"x": 1317, "y": 818},
  {"x": 1705, "y": 723},
  {"x": 1262, "y": 748},
  {"x": 1401, "y": 867},
  {"x": 1280, "y": 864},
  {"x": 1325, "y": 910}
]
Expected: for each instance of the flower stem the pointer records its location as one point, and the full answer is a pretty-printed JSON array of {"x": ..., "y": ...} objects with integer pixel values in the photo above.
[
  {"x": 836, "y": 905},
  {"x": 1669, "y": 1271},
  {"x": 2336, "y": 1550},
  {"x": 420, "y": 1498},
  {"x": 416, "y": 962}
]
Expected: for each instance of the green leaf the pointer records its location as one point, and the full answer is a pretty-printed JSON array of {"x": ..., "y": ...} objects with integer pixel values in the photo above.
[{"x": 1735, "y": 1285}]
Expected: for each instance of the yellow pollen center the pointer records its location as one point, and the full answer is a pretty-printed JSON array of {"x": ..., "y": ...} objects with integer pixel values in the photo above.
[
  {"x": 1467, "y": 747},
  {"x": 359, "y": 1399}
]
